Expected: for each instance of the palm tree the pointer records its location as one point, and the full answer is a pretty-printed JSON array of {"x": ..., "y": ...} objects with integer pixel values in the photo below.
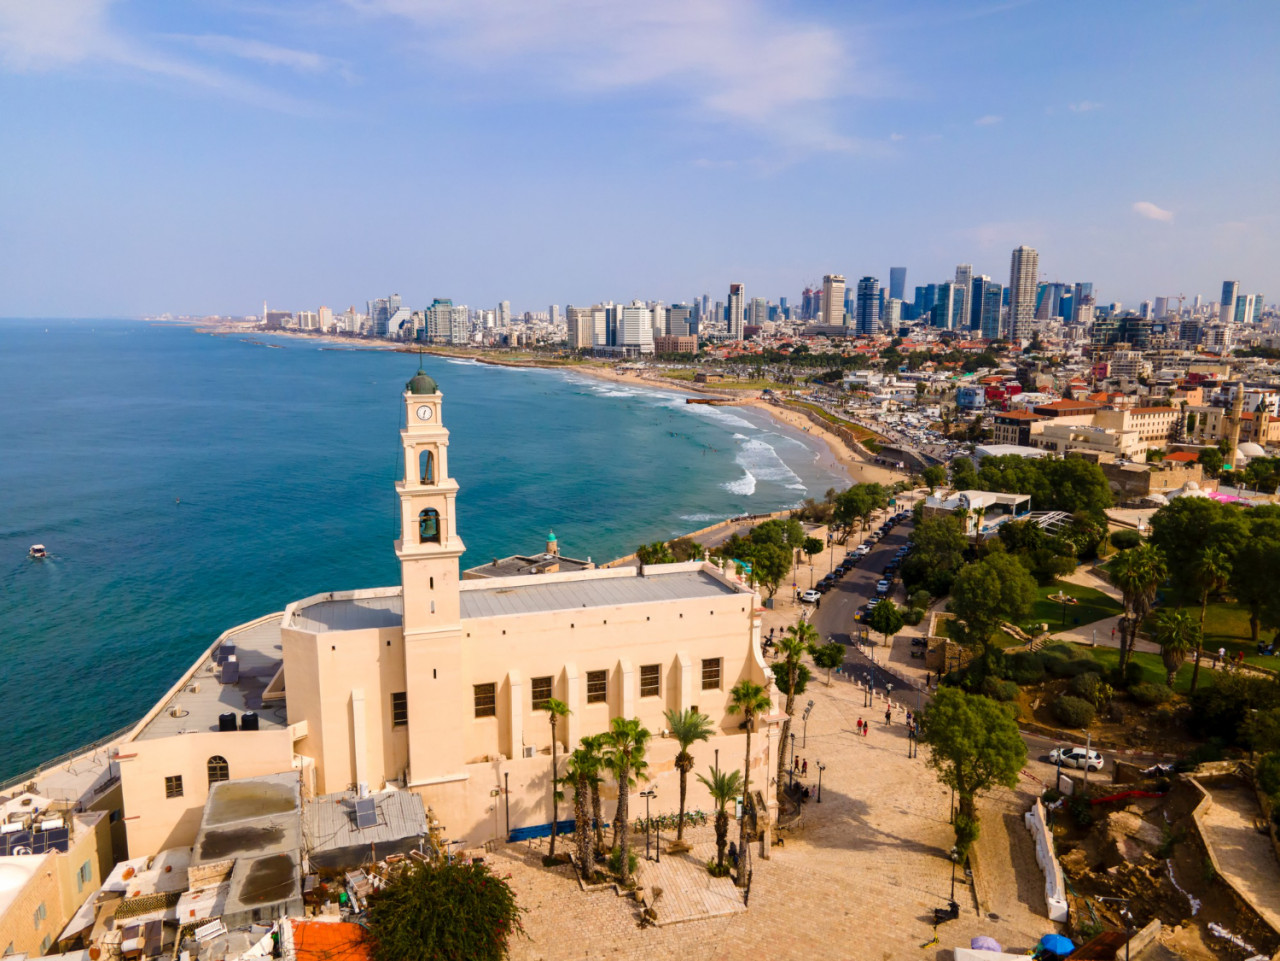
[
  {"x": 687, "y": 727},
  {"x": 724, "y": 787},
  {"x": 751, "y": 700},
  {"x": 794, "y": 644},
  {"x": 624, "y": 746},
  {"x": 593, "y": 754},
  {"x": 555, "y": 710},
  {"x": 1212, "y": 572},
  {"x": 1138, "y": 572},
  {"x": 580, "y": 769},
  {"x": 1176, "y": 633}
]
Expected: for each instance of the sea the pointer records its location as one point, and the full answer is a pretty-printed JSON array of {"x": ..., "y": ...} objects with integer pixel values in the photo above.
[{"x": 185, "y": 482}]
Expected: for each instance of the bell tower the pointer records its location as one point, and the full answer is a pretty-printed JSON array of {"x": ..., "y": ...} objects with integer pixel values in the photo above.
[{"x": 428, "y": 549}]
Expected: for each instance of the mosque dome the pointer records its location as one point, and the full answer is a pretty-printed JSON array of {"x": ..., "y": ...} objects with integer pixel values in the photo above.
[
  {"x": 1189, "y": 489},
  {"x": 421, "y": 384},
  {"x": 1250, "y": 450}
]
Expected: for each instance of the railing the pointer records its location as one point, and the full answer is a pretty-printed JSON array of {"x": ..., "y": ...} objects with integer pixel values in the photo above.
[{"x": 33, "y": 773}]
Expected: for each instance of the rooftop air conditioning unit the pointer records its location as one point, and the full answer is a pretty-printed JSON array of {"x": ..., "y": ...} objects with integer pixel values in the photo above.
[{"x": 530, "y": 750}]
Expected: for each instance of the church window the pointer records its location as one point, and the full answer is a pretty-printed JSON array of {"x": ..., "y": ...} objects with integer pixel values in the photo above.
[
  {"x": 427, "y": 466},
  {"x": 486, "y": 700},
  {"x": 541, "y": 688},
  {"x": 429, "y": 526},
  {"x": 219, "y": 770},
  {"x": 399, "y": 709},
  {"x": 650, "y": 680},
  {"x": 597, "y": 686},
  {"x": 710, "y": 673}
]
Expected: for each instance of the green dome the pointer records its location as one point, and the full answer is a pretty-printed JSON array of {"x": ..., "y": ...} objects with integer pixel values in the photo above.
[
  {"x": 551, "y": 536},
  {"x": 421, "y": 384}
]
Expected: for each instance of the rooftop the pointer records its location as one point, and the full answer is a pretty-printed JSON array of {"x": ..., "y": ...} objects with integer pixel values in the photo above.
[
  {"x": 331, "y": 822},
  {"x": 1018, "y": 415},
  {"x": 517, "y": 565},
  {"x": 203, "y": 696},
  {"x": 350, "y": 611}
]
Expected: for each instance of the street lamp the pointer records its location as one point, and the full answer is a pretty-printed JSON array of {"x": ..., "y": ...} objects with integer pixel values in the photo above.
[
  {"x": 793, "y": 758},
  {"x": 955, "y": 859},
  {"x": 805, "y": 718},
  {"x": 648, "y": 796},
  {"x": 821, "y": 767}
]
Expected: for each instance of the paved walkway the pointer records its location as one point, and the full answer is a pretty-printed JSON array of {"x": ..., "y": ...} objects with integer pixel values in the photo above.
[
  {"x": 688, "y": 891},
  {"x": 1245, "y": 856}
]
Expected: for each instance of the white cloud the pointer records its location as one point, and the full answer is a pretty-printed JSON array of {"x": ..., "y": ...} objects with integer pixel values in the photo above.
[
  {"x": 989, "y": 120},
  {"x": 728, "y": 60},
  {"x": 1084, "y": 106},
  {"x": 1145, "y": 208},
  {"x": 303, "y": 61},
  {"x": 897, "y": 137}
]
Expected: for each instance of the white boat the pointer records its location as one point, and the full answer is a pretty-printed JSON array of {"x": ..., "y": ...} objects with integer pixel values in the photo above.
[{"x": 37, "y": 551}]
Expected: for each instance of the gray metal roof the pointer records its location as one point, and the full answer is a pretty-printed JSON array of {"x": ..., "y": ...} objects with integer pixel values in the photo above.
[
  {"x": 329, "y": 821},
  {"x": 351, "y": 614},
  {"x": 590, "y": 592}
]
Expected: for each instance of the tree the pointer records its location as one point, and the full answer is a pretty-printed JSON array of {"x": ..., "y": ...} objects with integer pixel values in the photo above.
[
  {"x": 723, "y": 787},
  {"x": 655, "y": 553},
  {"x": 1211, "y": 461},
  {"x": 555, "y": 710},
  {"x": 1212, "y": 572},
  {"x": 934, "y": 477},
  {"x": 687, "y": 727},
  {"x": 795, "y": 642},
  {"x": 593, "y": 755},
  {"x": 964, "y": 476},
  {"x": 750, "y": 700},
  {"x": 455, "y": 911},
  {"x": 624, "y": 748},
  {"x": 812, "y": 547},
  {"x": 1191, "y": 424},
  {"x": 686, "y": 549},
  {"x": 987, "y": 593},
  {"x": 580, "y": 768},
  {"x": 1255, "y": 575},
  {"x": 1176, "y": 633},
  {"x": 886, "y": 619},
  {"x": 975, "y": 745},
  {"x": 829, "y": 657},
  {"x": 770, "y": 563},
  {"x": 937, "y": 551},
  {"x": 1188, "y": 527},
  {"x": 1138, "y": 573}
]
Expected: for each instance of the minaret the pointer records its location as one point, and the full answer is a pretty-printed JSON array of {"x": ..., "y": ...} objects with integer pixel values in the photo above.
[
  {"x": 1233, "y": 423},
  {"x": 428, "y": 549}
]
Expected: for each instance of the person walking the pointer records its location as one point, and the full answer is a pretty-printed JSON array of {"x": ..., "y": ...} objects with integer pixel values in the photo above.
[
  {"x": 804, "y": 768},
  {"x": 859, "y": 727},
  {"x": 888, "y": 714}
]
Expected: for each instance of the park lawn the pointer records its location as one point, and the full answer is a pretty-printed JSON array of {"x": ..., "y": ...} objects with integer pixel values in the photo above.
[
  {"x": 1092, "y": 605},
  {"x": 1109, "y": 657},
  {"x": 1226, "y": 624},
  {"x": 858, "y": 431}
]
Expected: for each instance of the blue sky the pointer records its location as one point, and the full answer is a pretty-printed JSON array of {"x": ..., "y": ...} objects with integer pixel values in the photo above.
[{"x": 204, "y": 156}]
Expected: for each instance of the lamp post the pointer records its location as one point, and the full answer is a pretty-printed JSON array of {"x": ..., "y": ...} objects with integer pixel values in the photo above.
[
  {"x": 955, "y": 858},
  {"x": 793, "y": 758},
  {"x": 648, "y": 796},
  {"x": 506, "y": 790},
  {"x": 805, "y": 718},
  {"x": 821, "y": 767}
]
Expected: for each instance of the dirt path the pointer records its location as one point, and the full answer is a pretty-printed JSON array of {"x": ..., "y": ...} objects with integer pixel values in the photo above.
[{"x": 1245, "y": 856}]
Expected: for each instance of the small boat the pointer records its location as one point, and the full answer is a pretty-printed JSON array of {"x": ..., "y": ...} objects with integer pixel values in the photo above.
[{"x": 37, "y": 551}]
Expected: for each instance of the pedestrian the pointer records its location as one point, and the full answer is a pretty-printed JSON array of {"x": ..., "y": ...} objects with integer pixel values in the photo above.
[
  {"x": 1222, "y": 655},
  {"x": 804, "y": 768},
  {"x": 927, "y": 676},
  {"x": 859, "y": 727},
  {"x": 908, "y": 718},
  {"x": 818, "y": 604},
  {"x": 866, "y": 726},
  {"x": 888, "y": 714}
]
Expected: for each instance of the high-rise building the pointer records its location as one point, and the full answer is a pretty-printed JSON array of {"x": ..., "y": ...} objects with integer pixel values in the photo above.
[
  {"x": 1145, "y": 310},
  {"x": 898, "y": 282},
  {"x": 984, "y": 307},
  {"x": 868, "y": 306},
  {"x": 553, "y": 314},
  {"x": 759, "y": 312},
  {"x": 946, "y": 312},
  {"x": 680, "y": 322},
  {"x": 964, "y": 277},
  {"x": 1246, "y": 309},
  {"x": 580, "y": 327},
  {"x": 1227, "y": 308},
  {"x": 833, "y": 312},
  {"x": 504, "y": 314},
  {"x": 635, "y": 328},
  {"x": 447, "y": 324},
  {"x": 1024, "y": 269},
  {"x": 1082, "y": 291},
  {"x": 1162, "y": 306},
  {"x": 892, "y": 315},
  {"x": 737, "y": 311},
  {"x": 926, "y": 298}
]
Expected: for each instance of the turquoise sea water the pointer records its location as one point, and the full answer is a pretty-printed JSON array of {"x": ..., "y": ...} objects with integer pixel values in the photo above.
[{"x": 185, "y": 483}]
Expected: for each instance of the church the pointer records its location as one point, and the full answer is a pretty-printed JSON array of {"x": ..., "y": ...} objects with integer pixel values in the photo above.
[{"x": 439, "y": 685}]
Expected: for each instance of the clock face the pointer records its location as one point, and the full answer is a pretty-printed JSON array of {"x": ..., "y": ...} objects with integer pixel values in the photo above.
[{"x": 425, "y": 412}]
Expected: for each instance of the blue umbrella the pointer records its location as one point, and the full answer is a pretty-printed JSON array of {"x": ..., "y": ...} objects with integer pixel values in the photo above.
[
  {"x": 1057, "y": 944},
  {"x": 984, "y": 943}
]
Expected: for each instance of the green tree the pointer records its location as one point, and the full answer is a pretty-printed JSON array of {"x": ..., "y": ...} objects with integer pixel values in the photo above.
[
  {"x": 829, "y": 657},
  {"x": 1212, "y": 572},
  {"x": 686, "y": 549},
  {"x": 964, "y": 476},
  {"x": 1138, "y": 573},
  {"x": 723, "y": 786},
  {"x": 812, "y": 547},
  {"x": 1188, "y": 527},
  {"x": 987, "y": 593},
  {"x": 1177, "y": 634},
  {"x": 934, "y": 477},
  {"x": 974, "y": 746},
  {"x": 1255, "y": 574},
  {"x": 1211, "y": 461},
  {"x": 687, "y": 727},
  {"x": 580, "y": 767},
  {"x": 555, "y": 710},
  {"x": 624, "y": 758},
  {"x": 656, "y": 553},
  {"x": 770, "y": 563},
  {"x": 456, "y": 911},
  {"x": 750, "y": 700},
  {"x": 796, "y": 641},
  {"x": 937, "y": 550},
  {"x": 592, "y": 755},
  {"x": 886, "y": 619}
]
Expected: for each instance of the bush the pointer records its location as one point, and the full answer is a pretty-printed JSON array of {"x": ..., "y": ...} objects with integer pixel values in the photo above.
[
  {"x": 1025, "y": 667},
  {"x": 1081, "y": 810},
  {"x": 912, "y": 616},
  {"x": 1055, "y": 664},
  {"x": 999, "y": 690},
  {"x": 967, "y": 829},
  {"x": 1150, "y": 694},
  {"x": 1134, "y": 673},
  {"x": 1269, "y": 774},
  {"x": 1086, "y": 686},
  {"x": 718, "y": 872},
  {"x": 615, "y": 861},
  {"x": 1081, "y": 665},
  {"x": 1117, "y": 712},
  {"x": 1072, "y": 711},
  {"x": 1123, "y": 540}
]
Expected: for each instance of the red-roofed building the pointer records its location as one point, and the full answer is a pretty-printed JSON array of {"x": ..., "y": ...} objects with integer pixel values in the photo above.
[
  {"x": 1068, "y": 408},
  {"x": 326, "y": 941},
  {"x": 1184, "y": 457},
  {"x": 1014, "y": 427}
]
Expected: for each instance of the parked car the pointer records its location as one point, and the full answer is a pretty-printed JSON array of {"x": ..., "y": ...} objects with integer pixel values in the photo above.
[
  {"x": 810, "y": 596},
  {"x": 862, "y": 550},
  {"x": 882, "y": 587},
  {"x": 1076, "y": 757}
]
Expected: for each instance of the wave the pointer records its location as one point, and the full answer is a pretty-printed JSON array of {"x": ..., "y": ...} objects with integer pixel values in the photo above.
[
  {"x": 700, "y": 518},
  {"x": 744, "y": 486},
  {"x": 720, "y": 416}
]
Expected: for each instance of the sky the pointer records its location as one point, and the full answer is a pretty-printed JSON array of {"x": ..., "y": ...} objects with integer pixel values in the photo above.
[{"x": 201, "y": 157}]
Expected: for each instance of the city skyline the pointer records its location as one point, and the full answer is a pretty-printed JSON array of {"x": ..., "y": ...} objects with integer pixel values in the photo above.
[{"x": 197, "y": 159}]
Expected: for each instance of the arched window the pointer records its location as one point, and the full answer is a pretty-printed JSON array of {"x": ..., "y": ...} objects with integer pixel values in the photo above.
[
  {"x": 427, "y": 463},
  {"x": 219, "y": 770},
  {"x": 429, "y": 526}
]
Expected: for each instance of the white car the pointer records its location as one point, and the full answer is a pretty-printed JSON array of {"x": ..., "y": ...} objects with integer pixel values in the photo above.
[
  {"x": 882, "y": 587},
  {"x": 810, "y": 597},
  {"x": 862, "y": 550},
  {"x": 1076, "y": 757}
]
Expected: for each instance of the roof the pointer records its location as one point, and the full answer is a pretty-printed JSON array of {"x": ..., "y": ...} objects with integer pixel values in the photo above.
[
  {"x": 1018, "y": 415},
  {"x": 1064, "y": 406},
  {"x": 589, "y": 591},
  {"x": 329, "y": 941},
  {"x": 331, "y": 823},
  {"x": 1152, "y": 410},
  {"x": 420, "y": 383},
  {"x": 1184, "y": 456},
  {"x": 350, "y": 613}
]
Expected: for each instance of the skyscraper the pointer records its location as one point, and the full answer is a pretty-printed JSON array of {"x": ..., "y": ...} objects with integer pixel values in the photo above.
[
  {"x": 1024, "y": 268},
  {"x": 1245, "y": 309},
  {"x": 897, "y": 282},
  {"x": 985, "y": 307},
  {"x": 964, "y": 277},
  {"x": 946, "y": 312},
  {"x": 635, "y": 328},
  {"x": 868, "y": 306},
  {"x": 737, "y": 306},
  {"x": 833, "y": 300},
  {"x": 1227, "y": 310},
  {"x": 580, "y": 327}
]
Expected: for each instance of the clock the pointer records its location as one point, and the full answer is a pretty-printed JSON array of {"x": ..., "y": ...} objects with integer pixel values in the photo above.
[{"x": 425, "y": 412}]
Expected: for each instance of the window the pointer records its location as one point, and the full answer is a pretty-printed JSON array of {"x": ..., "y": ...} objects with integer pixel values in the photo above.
[
  {"x": 541, "y": 688},
  {"x": 45, "y": 944},
  {"x": 710, "y": 673},
  {"x": 597, "y": 687},
  {"x": 399, "y": 709},
  {"x": 8, "y": 950},
  {"x": 429, "y": 526},
  {"x": 427, "y": 466},
  {"x": 83, "y": 876},
  {"x": 173, "y": 786},
  {"x": 40, "y": 915},
  {"x": 650, "y": 680},
  {"x": 218, "y": 768},
  {"x": 486, "y": 700}
]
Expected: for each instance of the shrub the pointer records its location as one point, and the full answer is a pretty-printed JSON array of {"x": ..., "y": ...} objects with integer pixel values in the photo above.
[
  {"x": 1117, "y": 712},
  {"x": 912, "y": 616},
  {"x": 716, "y": 871},
  {"x": 1072, "y": 711},
  {"x": 1081, "y": 810},
  {"x": 920, "y": 599},
  {"x": 1055, "y": 665},
  {"x": 1081, "y": 665},
  {"x": 1123, "y": 540},
  {"x": 1150, "y": 694},
  {"x": 967, "y": 829},
  {"x": 1269, "y": 774},
  {"x": 1086, "y": 686},
  {"x": 615, "y": 861},
  {"x": 999, "y": 690},
  {"x": 1025, "y": 667},
  {"x": 1207, "y": 753}
]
